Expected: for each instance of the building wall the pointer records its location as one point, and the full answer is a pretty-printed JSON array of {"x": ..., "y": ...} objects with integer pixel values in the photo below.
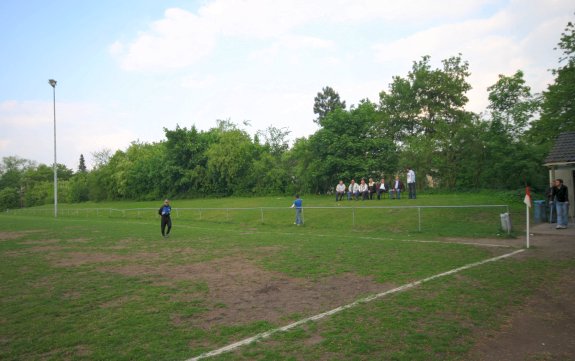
[{"x": 566, "y": 173}]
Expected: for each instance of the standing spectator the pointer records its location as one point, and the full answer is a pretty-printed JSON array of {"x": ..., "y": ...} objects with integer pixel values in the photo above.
[
  {"x": 339, "y": 191},
  {"x": 297, "y": 204},
  {"x": 382, "y": 188},
  {"x": 353, "y": 190},
  {"x": 371, "y": 188},
  {"x": 560, "y": 196},
  {"x": 396, "y": 188},
  {"x": 552, "y": 209},
  {"x": 363, "y": 190},
  {"x": 165, "y": 211},
  {"x": 411, "y": 182}
]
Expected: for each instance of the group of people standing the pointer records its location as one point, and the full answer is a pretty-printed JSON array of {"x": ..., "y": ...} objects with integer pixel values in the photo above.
[{"x": 369, "y": 190}]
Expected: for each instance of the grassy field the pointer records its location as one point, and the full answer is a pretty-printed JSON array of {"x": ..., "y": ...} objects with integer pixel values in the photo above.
[{"x": 106, "y": 286}]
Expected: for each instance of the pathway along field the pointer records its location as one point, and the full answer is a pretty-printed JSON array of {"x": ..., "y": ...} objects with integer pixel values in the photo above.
[{"x": 544, "y": 328}]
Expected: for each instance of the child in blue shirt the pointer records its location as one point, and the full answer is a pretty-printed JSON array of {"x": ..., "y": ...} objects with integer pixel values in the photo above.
[{"x": 297, "y": 204}]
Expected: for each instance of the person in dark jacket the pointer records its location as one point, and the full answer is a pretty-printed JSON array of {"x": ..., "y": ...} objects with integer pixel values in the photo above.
[
  {"x": 396, "y": 188},
  {"x": 552, "y": 209},
  {"x": 560, "y": 196},
  {"x": 381, "y": 187},
  {"x": 165, "y": 211}
]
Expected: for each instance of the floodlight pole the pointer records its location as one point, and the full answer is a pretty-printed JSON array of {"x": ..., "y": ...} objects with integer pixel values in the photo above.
[{"x": 53, "y": 82}]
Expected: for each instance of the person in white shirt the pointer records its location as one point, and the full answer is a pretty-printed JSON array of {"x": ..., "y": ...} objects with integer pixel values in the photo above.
[
  {"x": 363, "y": 190},
  {"x": 339, "y": 191},
  {"x": 352, "y": 190},
  {"x": 411, "y": 182},
  {"x": 381, "y": 188}
]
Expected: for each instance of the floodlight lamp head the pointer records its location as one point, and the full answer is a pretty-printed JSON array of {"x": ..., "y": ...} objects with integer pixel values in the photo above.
[{"x": 52, "y": 82}]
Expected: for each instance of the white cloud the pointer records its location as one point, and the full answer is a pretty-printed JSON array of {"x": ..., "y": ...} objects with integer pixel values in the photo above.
[
  {"x": 178, "y": 40},
  {"x": 195, "y": 82},
  {"x": 183, "y": 38},
  {"x": 263, "y": 18},
  {"x": 290, "y": 47}
]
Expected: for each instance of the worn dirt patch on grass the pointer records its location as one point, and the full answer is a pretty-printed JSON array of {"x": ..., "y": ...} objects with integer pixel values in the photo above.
[
  {"x": 7, "y": 236},
  {"x": 119, "y": 302},
  {"x": 74, "y": 259},
  {"x": 43, "y": 249},
  {"x": 241, "y": 292},
  {"x": 41, "y": 242},
  {"x": 79, "y": 240}
]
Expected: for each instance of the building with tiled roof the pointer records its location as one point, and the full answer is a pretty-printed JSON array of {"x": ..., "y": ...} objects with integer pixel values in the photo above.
[{"x": 561, "y": 164}]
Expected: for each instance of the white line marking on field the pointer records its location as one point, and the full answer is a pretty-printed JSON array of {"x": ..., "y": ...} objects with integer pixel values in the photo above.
[
  {"x": 267, "y": 334},
  {"x": 445, "y": 242}
]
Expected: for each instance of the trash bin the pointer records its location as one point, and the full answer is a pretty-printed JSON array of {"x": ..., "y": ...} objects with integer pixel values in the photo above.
[
  {"x": 505, "y": 222},
  {"x": 539, "y": 212}
]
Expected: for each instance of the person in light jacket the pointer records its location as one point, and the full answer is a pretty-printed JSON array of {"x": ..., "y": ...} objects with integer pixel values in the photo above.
[
  {"x": 353, "y": 190},
  {"x": 363, "y": 190},
  {"x": 411, "y": 182},
  {"x": 339, "y": 191}
]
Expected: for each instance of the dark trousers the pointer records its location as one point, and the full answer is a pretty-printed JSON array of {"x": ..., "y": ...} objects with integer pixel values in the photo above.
[
  {"x": 411, "y": 187},
  {"x": 166, "y": 221},
  {"x": 379, "y": 192}
]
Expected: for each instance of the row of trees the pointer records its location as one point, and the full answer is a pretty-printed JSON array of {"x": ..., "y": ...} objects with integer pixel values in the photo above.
[{"x": 419, "y": 121}]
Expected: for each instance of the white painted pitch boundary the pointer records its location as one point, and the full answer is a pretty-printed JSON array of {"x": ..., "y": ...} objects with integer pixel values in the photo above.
[{"x": 267, "y": 334}]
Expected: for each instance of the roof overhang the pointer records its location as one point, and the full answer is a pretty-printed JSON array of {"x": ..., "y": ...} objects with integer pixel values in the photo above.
[{"x": 558, "y": 163}]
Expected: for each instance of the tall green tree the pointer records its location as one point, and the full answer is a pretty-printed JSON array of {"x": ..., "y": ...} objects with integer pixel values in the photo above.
[
  {"x": 326, "y": 102},
  {"x": 147, "y": 171},
  {"x": 424, "y": 113},
  {"x": 12, "y": 170},
  {"x": 511, "y": 104},
  {"x": 82, "y": 165},
  {"x": 13, "y": 181},
  {"x": 275, "y": 140},
  {"x": 187, "y": 160},
  {"x": 348, "y": 146},
  {"x": 230, "y": 160},
  {"x": 558, "y": 107}
]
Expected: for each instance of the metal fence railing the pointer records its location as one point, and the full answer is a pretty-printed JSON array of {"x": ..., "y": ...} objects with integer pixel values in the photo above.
[{"x": 349, "y": 216}]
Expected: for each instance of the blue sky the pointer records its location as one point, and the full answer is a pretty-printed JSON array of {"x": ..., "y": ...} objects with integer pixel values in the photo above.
[{"x": 126, "y": 69}]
